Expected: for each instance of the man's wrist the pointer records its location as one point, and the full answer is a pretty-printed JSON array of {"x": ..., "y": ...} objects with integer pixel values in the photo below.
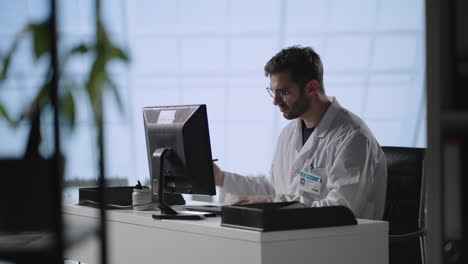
[
  {"x": 221, "y": 184},
  {"x": 219, "y": 179}
]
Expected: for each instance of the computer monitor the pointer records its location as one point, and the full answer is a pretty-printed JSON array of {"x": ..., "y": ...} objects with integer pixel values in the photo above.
[{"x": 179, "y": 154}]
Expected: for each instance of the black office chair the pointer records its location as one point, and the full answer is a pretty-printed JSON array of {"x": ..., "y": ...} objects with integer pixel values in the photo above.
[{"x": 404, "y": 208}]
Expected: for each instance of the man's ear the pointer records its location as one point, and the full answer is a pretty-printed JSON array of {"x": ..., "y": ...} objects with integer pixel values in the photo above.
[{"x": 312, "y": 87}]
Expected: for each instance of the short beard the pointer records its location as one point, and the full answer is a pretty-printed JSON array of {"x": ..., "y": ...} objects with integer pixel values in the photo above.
[{"x": 298, "y": 109}]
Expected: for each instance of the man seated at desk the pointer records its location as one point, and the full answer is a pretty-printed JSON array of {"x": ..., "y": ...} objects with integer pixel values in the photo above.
[{"x": 325, "y": 156}]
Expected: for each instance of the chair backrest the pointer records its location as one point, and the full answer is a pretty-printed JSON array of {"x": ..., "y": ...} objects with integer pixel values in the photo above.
[{"x": 405, "y": 189}]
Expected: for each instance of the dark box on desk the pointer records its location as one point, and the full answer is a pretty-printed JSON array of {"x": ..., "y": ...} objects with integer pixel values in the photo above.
[
  {"x": 284, "y": 216},
  {"x": 119, "y": 195}
]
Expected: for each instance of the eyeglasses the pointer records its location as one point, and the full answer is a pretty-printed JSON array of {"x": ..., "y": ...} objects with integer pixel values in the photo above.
[{"x": 283, "y": 94}]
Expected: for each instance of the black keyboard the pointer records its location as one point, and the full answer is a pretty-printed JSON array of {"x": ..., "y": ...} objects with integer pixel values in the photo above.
[{"x": 214, "y": 209}]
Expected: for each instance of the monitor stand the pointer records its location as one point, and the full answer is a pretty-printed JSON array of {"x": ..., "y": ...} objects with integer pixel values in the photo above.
[{"x": 166, "y": 212}]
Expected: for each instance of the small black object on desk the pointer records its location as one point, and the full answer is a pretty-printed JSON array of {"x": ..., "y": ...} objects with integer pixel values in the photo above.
[
  {"x": 119, "y": 196},
  {"x": 285, "y": 216}
]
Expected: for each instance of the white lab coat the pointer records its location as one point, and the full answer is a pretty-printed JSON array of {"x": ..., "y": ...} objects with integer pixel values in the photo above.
[{"x": 343, "y": 153}]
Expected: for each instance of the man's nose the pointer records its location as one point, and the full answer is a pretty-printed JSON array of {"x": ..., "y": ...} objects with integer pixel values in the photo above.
[{"x": 277, "y": 100}]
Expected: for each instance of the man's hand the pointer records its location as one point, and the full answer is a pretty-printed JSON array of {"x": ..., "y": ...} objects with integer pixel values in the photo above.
[
  {"x": 219, "y": 175},
  {"x": 255, "y": 199}
]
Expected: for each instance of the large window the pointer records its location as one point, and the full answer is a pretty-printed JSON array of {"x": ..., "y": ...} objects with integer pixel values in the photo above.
[{"x": 213, "y": 52}]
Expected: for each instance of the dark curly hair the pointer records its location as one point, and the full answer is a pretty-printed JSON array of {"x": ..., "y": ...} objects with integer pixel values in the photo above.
[{"x": 302, "y": 63}]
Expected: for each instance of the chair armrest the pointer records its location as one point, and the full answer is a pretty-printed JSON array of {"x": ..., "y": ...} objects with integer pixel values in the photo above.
[{"x": 406, "y": 236}]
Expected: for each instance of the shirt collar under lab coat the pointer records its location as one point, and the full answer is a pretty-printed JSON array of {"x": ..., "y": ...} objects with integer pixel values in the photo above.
[{"x": 324, "y": 124}]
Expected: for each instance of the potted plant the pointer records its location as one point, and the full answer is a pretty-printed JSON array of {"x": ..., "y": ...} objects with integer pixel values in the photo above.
[{"x": 33, "y": 170}]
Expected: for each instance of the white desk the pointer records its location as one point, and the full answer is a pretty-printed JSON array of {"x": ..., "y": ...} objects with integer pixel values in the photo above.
[{"x": 135, "y": 237}]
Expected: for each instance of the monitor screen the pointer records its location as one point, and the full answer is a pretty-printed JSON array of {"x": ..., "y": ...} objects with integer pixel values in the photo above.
[{"x": 179, "y": 150}]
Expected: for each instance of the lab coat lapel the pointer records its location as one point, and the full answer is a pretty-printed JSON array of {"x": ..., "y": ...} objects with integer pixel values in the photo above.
[
  {"x": 304, "y": 152},
  {"x": 297, "y": 136},
  {"x": 325, "y": 124},
  {"x": 297, "y": 143}
]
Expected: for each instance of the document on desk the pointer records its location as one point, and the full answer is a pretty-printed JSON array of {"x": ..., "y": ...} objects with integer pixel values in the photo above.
[{"x": 213, "y": 209}]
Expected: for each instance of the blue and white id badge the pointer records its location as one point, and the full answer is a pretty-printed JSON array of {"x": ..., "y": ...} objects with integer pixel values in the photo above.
[{"x": 310, "y": 182}]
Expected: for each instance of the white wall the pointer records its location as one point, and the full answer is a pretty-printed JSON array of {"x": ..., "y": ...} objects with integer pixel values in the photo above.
[{"x": 213, "y": 52}]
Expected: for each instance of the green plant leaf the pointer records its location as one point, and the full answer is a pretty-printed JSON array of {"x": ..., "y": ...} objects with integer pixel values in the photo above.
[
  {"x": 108, "y": 49},
  {"x": 95, "y": 85},
  {"x": 119, "y": 54},
  {"x": 67, "y": 108},
  {"x": 102, "y": 36},
  {"x": 4, "y": 113},
  {"x": 79, "y": 49},
  {"x": 103, "y": 50},
  {"x": 41, "y": 38},
  {"x": 41, "y": 100},
  {"x": 115, "y": 91},
  {"x": 5, "y": 66}
]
